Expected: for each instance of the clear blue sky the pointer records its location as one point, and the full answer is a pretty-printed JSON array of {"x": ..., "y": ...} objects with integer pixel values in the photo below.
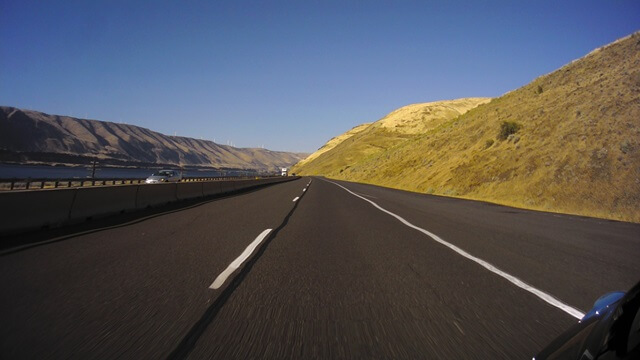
[{"x": 288, "y": 75}]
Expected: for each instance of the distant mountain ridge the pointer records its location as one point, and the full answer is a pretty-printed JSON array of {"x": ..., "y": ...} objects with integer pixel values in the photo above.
[
  {"x": 31, "y": 135},
  {"x": 567, "y": 142}
]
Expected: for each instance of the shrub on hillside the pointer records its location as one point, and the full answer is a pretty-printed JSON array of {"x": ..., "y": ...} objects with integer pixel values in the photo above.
[
  {"x": 508, "y": 128},
  {"x": 626, "y": 146},
  {"x": 488, "y": 143}
]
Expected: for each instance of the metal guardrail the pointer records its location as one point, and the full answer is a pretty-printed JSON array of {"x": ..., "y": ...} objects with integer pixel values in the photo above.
[{"x": 39, "y": 184}]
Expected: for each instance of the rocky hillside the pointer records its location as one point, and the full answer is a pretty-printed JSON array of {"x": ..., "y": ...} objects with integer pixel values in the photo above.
[
  {"x": 567, "y": 142},
  {"x": 34, "y": 136}
]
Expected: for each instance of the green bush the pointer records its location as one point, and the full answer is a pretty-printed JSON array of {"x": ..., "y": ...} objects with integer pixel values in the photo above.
[
  {"x": 539, "y": 90},
  {"x": 507, "y": 128},
  {"x": 488, "y": 143},
  {"x": 626, "y": 146}
]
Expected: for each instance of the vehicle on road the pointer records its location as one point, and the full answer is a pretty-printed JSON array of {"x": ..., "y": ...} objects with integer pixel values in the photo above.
[
  {"x": 164, "y": 176},
  {"x": 610, "y": 330}
]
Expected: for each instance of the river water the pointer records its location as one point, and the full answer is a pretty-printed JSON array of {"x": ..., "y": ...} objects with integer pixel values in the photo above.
[{"x": 11, "y": 171}]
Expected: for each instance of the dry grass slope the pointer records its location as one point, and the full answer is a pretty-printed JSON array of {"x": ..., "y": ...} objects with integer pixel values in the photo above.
[
  {"x": 333, "y": 143},
  {"x": 577, "y": 150},
  {"x": 368, "y": 140}
]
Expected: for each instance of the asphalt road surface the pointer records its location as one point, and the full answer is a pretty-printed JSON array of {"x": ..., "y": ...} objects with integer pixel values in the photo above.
[{"x": 310, "y": 269}]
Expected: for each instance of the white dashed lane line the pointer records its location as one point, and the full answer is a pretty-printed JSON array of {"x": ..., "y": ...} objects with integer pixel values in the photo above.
[
  {"x": 219, "y": 281},
  {"x": 239, "y": 260}
]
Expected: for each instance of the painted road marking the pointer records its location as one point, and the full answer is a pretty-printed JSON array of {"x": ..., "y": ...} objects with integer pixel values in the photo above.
[
  {"x": 305, "y": 189},
  {"x": 369, "y": 196},
  {"x": 519, "y": 283},
  {"x": 237, "y": 262},
  {"x": 296, "y": 199}
]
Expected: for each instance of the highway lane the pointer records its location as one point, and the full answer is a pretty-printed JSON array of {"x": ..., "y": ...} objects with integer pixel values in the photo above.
[
  {"x": 344, "y": 280},
  {"x": 336, "y": 277},
  {"x": 575, "y": 258},
  {"x": 130, "y": 290}
]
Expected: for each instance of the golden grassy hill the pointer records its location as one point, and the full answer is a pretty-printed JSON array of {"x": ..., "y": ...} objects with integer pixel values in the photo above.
[
  {"x": 367, "y": 140},
  {"x": 577, "y": 149},
  {"x": 333, "y": 143},
  {"x": 417, "y": 119}
]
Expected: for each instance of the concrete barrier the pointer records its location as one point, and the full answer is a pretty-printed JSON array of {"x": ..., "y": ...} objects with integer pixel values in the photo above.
[
  {"x": 103, "y": 200},
  {"x": 189, "y": 190},
  {"x": 245, "y": 184},
  {"x": 227, "y": 186},
  {"x": 33, "y": 209},
  {"x": 155, "y": 194},
  {"x": 211, "y": 188},
  {"x": 23, "y": 210},
  {"x": 263, "y": 181},
  {"x": 278, "y": 179}
]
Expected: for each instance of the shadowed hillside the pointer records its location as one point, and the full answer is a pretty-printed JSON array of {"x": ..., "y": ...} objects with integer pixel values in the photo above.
[
  {"x": 567, "y": 142},
  {"x": 32, "y": 135}
]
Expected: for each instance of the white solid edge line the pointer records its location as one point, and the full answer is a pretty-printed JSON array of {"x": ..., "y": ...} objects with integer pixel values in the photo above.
[
  {"x": 239, "y": 260},
  {"x": 519, "y": 283},
  {"x": 296, "y": 199}
]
